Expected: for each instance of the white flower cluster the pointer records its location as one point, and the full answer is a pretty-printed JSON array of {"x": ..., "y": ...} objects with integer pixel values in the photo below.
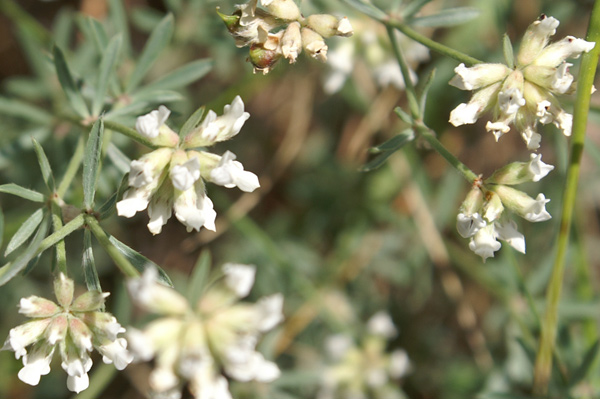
[
  {"x": 280, "y": 31},
  {"x": 172, "y": 177},
  {"x": 482, "y": 217},
  {"x": 526, "y": 94},
  {"x": 360, "y": 372},
  {"x": 368, "y": 45},
  {"x": 74, "y": 327},
  {"x": 192, "y": 344}
]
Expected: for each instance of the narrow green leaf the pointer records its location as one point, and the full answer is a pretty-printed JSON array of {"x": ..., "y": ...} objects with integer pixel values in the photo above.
[
  {"x": 424, "y": 89},
  {"x": 44, "y": 165},
  {"x": 62, "y": 28},
  {"x": 395, "y": 142},
  {"x": 11, "y": 269},
  {"x": 68, "y": 84},
  {"x": 25, "y": 231},
  {"x": 192, "y": 122},
  {"x": 32, "y": 264},
  {"x": 366, "y": 7},
  {"x": 180, "y": 77},
  {"x": 156, "y": 96},
  {"x": 15, "y": 108},
  {"x": 447, "y": 17},
  {"x": 139, "y": 261},
  {"x": 199, "y": 277},
  {"x": 583, "y": 370},
  {"x": 91, "y": 163},
  {"x": 14, "y": 189},
  {"x": 376, "y": 162},
  {"x": 107, "y": 67},
  {"x": 119, "y": 18},
  {"x": 89, "y": 266},
  {"x": 107, "y": 209},
  {"x": 98, "y": 32},
  {"x": 413, "y": 8},
  {"x": 159, "y": 38},
  {"x": 120, "y": 160},
  {"x": 1, "y": 227},
  {"x": 404, "y": 116},
  {"x": 507, "y": 48}
]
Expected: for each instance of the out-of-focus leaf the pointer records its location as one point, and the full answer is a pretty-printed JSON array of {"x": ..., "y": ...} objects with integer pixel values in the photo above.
[
  {"x": 16, "y": 108},
  {"x": 192, "y": 122},
  {"x": 139, "y": 261},
  {"x": 180, "y": 77},
  {"x": 89, "y": 266},
  {"x": 15, "y": 189},
  {"x": 447, "y": 17},
  {"x": 25, "y": 231},
  {"x": 405, "y": 117},
  {"x": 159, "y": 38},
  {"x": 588, "y": 361},
  {"x": 44, "y": 165},
  {"x": 366, "y": 7},
  {"x": 1, "y": 227},
  {"x": 132, "y": 109},
  {"x": 63, "y": 27},
  {"x": 8, "y": 271},
  {"x": 107, "y": 67},
  {"x": 68, "y": 84},
  {"x": 502, "y": 395},
  {"x": 120, "y": 160},
  {"x": 156, "y": 96},
  {"x": 199, "y": 277},
  {"x": 507, "y": 48},
  {"x": 119, "y": 18},
  {"x": 413, "y": 7},
  {"x": 91, "y": 163},
  {"x": 146, "y": 19}
]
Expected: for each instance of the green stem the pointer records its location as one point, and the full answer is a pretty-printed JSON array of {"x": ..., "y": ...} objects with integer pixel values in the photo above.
[
  {"x": 408, "y": 84},
  {"x": 424, "y": 40},
  {"x": 60, "y": 234},
  {"x": 428, "y": 135},
  {"x": 116, "y": 255},
  {"x": 589, "y": 62},
  {"x": 61, "y": 252}
]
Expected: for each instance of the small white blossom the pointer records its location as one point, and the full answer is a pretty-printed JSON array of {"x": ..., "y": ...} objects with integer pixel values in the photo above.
[
  {"x": 508, "y": 232},
  {"x": 468, "y": 225},
  {"x": 149, "y": 125},
  {"x": 239, "y": 278},
  {"x": 537, "y": 169},
  {"x": 484, "y": 242},
  {"x": 230, "y": 173},
  {"x": 381, "y": 324}
]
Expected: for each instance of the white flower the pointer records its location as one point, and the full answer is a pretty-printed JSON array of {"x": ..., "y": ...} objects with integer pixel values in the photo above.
[
  {"x": 337, "y": 345},
  {"x": 484, "y": 242},
  {"x": 535, "y": 211},
  {"x": 227, "y": 125},
  {"x": 149, "y": 124},
  {"x": 186, "y": 174},
  {"x": 194, "y": 209},
  {"x": 399, "y": 363},
  {"x": 508, "y": 232},
  {"x": 239, "y": 278},
  {"x": 468, "y": 225},
  {"x": 537, "y": 169},
  {"x": 269, "y": 312},
  {"x": 76, "y": 327},
  {"x": 230, "y": 173},
  {"x": 381, "y": 324},
  {"x": 116, "y": 352}
]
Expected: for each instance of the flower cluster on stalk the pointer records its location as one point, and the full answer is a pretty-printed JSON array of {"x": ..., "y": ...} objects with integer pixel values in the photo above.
[
  {"x": 279, "y": 30},
  {"x": 195, "y": 344},
  {"x": 74, "y": 327},
  {"x": 173, "y": 176},
  {"x": 482, "y": 217},
  {"x": 366, "y": 370},
  {"x": 525, "y": 93}
]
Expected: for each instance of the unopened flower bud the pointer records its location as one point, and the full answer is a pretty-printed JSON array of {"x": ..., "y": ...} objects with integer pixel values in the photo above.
[
  {"x": 89, "y": 301},
  {"x": 35, "y": 306},
  {"x": 533, "y": 210},
  {"x": 314, "y": 44},
  {"x": 262, "y": 59},
  {"x": 492, "y": 208},
  {"x": 231, "y": 21},
  {"x": 478, "y": 76},
  {"x": 535, "y": 38},
  {"x": 283, "y": 9},
  {"x": 63, "y": 289},
  {"x": 327, "y": 25}
]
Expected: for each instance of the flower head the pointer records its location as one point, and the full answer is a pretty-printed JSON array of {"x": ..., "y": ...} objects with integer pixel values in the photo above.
[
  {"x": 526, "y": 93},
  {"x": 171, "y": 178},
  {"x": 193, "y": 343},
  {"x": 75, "y": 327}
]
